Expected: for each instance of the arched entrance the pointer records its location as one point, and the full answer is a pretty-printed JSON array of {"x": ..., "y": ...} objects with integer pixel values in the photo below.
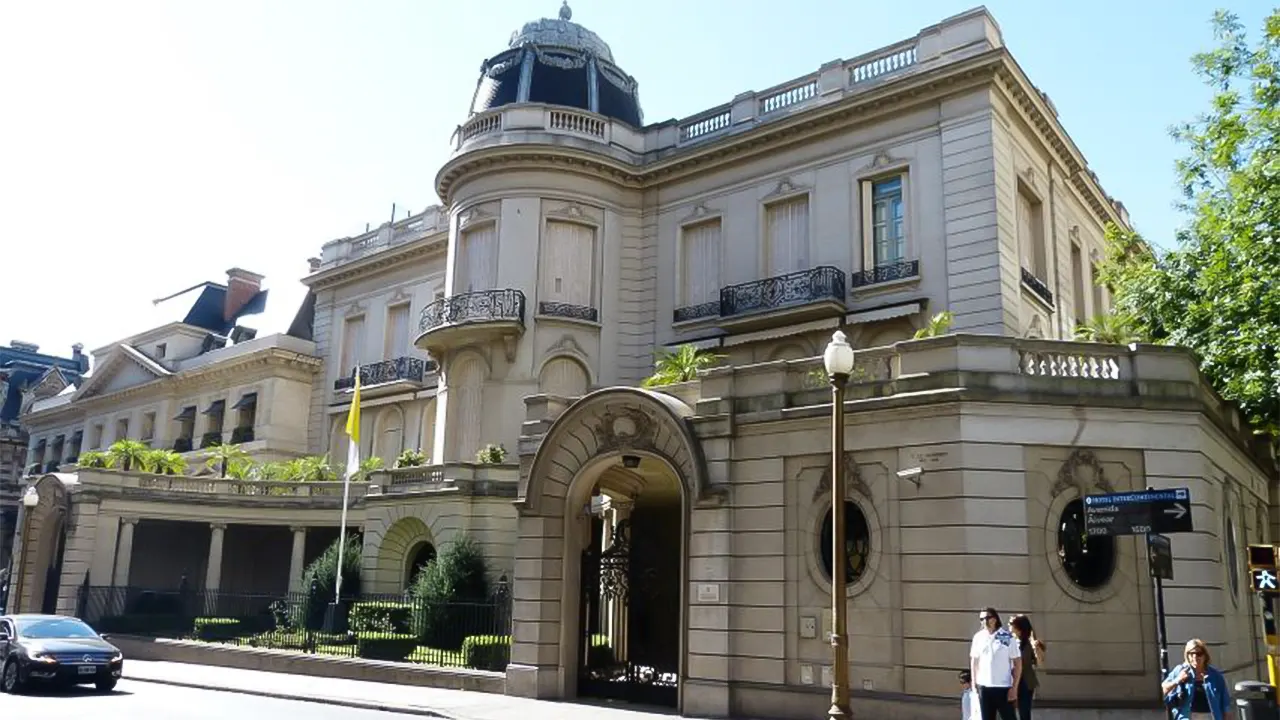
[
  {"x": 420, "y": 556},
  {"x": 42, "y": 573},
  {"x": 607, "y": 499}
]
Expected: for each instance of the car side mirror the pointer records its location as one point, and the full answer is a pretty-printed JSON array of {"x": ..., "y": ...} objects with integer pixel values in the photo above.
[
  {"x": 3, "y": 636},
  {"x": 104, "y": 636}
]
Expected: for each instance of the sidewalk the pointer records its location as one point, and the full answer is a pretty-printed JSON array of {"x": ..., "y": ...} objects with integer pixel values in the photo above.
[{"x": 426, "y": 702}]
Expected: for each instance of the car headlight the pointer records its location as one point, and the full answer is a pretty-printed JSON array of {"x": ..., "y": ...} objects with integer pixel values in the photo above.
[
  {"x": 117, "y": 657},
  {"x": 44, "y": 657}
]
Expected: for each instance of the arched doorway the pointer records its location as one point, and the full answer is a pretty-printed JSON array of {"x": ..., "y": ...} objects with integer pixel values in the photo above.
[
  {"x": 422, "y": 554},
  {"x": 41, "y": 583},
  {"x": 619, "y": 471}
]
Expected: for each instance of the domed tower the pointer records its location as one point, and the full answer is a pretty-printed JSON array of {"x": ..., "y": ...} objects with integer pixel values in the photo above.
[
  {"x": 558, "y": 62},
  {"x": 545, "y": 232}
]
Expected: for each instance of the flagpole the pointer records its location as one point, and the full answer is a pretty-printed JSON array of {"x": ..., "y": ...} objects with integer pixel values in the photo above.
[{"x": 353, "y": 466}]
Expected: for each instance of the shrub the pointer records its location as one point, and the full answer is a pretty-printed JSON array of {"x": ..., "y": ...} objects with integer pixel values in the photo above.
[
  {"x": 213, "y": 629},
  {"x": 487, "y": 652},
  {"x": 94, "y": 459},
  {"x": 491, "y": 455},
  {"x": 320, "y": 579},
  {"x": 451, "y": 594},
  {"x": 381, "y": 617},
  {"x": 389, "y": 647},
  {"x": 411, "y": 458}
]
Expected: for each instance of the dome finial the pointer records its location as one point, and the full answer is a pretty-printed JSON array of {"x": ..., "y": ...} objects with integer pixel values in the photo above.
[{"x": 566, "y": 13}]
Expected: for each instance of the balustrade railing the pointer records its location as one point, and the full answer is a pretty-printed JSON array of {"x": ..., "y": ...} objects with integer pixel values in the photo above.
[
  {"x": 473, "y": 307},
  {"x": 697, "y": 312},
  {"x": 1070, "y": 360},
  {"x": 407, "y": 368},
  {"x": 886, "y": 273},
  {"x": 569, "y": 310},
  {"x": 797, "y": 288},
  {"x": 244, "y": 488}
]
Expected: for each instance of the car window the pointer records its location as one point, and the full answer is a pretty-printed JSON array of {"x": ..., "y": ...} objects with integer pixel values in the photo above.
[
  {"x": 6, "y": 628},
  {"x": 54, "y": 628}
]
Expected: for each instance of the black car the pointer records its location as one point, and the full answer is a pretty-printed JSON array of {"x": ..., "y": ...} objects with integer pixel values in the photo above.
[{"x": 55, "y": 649}]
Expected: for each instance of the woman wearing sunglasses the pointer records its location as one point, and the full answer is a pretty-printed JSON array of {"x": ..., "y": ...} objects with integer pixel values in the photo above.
[{"x": 1195, "y": 690}]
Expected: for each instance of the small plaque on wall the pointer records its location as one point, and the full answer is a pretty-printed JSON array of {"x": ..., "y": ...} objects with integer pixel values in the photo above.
[{"x": 708, "y": 592}]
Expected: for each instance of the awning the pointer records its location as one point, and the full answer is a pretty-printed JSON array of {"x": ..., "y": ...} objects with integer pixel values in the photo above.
[
  {"x": 216, "y": 407},
  {"x": 884, "y": 313},
  {"x": 187, "y": 413},
  {"x": 247, "y": 400},
  {"x": 77, "y": 436},
  {"x": 59, "y": 439}
]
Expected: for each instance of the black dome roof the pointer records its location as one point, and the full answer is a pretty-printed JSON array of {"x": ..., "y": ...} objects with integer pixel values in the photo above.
[{"x": 558, "y": 62}]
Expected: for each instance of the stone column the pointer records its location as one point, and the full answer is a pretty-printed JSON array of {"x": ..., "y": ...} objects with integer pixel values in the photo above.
[
  {"x": 124, "y": 554},
  {"x": 213, "y": 573},
  {"x": 297, "y": 559}
]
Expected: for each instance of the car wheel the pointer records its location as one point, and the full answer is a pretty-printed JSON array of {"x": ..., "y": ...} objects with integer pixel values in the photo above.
[
  {"x": 9, "y": 681},
  {"x": 106, "y": 685}
]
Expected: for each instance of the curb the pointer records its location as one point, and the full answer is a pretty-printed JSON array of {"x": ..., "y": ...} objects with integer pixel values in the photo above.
[{"x": 341, "y": 702}]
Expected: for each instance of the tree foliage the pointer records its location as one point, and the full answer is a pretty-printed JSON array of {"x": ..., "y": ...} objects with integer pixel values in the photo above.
[
  {"x": 1217, "y": 291},
  {"x": 680, "y": 365}
]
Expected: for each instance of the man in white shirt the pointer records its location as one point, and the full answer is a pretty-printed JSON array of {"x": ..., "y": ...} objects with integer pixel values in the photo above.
[{"x": 996, "y": 664}]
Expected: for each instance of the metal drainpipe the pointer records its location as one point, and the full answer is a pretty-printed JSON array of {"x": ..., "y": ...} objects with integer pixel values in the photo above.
[{"x": 1053, "y": 239}]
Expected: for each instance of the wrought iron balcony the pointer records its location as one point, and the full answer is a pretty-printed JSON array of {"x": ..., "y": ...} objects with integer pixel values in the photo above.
[
  {"x": 405, "y": 368},
  {"x": 1037, "y": 286},
  {"x": 697, "y": 312},
  {"x": 567, "y": 310},
  {"x": 823, "y": 283},
  {"x": 886, "y": 273},
  {"x": 474, "y": 307}
]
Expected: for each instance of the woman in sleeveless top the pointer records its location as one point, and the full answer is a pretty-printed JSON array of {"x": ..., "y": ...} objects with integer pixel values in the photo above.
[{"x": 1033, "y": 652}]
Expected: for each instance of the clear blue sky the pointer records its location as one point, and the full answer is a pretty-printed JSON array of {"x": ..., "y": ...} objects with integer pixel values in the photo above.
[{"x": 148, "y": 145}]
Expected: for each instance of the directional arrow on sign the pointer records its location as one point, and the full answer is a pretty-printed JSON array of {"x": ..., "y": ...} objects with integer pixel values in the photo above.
[{"x": 1177, "y": 511}]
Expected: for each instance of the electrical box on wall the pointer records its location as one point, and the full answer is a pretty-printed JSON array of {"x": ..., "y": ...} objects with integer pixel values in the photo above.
[{"x": 808, "y": 626}]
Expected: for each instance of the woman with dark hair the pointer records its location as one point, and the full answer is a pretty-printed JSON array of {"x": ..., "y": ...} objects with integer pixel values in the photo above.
[
  {"x": 995, "y": 662},
  {"x": 1032, "y": 651}
]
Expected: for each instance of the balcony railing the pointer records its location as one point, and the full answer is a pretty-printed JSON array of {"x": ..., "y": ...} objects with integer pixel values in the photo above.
[
  {"x": 1037, "y": 286},
  {"x": 886, "y": 273},
  {"x": 797, "y": 288},
  {"x": 697, "y": 312},
  {"x": 567, "y": 310},
  {"x": 407, "y": 368},
  {"x": 474, "y": 307}
]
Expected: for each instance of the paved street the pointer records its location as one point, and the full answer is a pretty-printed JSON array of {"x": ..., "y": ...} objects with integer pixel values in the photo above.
[{"x": 134, "y": 699}]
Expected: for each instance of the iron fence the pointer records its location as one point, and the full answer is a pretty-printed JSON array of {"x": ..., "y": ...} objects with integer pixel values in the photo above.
[{"x": 395, "y": 628}]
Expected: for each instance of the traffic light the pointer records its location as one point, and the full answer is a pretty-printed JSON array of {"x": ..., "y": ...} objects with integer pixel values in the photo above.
[{"x": 1263, "y": 575}]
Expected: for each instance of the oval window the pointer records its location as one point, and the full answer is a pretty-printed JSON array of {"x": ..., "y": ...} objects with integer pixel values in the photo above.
[
  {"x": 857, "y": 542},
  {"x": 1088, "y": 561}
]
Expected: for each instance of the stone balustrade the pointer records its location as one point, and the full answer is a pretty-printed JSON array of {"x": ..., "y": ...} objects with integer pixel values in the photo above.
[
  {"x": 200, "y": 488},
  {"x": 467, "y": 478}
]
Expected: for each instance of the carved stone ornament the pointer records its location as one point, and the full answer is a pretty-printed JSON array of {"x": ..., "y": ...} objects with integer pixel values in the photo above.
[
  {"x": 1034, "y": 329},
  {"x": 622, "y": 428},
  {"x": 471, "y": 217},
  {"x": 355, "y": 308},
  {"x": 1069, "y": 474},
  {"x": 853, "y": 481},
  {"x": 573, "y": 211},
  {"x": 1074, "y": 233},
  {"x": 399, "y": 296},
  {"x": 881, "y": 159},
  {"x": 1029, "y": 176},
  {"x": 566, "y": 344}
]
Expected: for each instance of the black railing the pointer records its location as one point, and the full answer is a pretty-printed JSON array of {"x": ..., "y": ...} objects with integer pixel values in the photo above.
[
  {"x": 567, "y": 310},
  {"x": 182, "y": 444},
  {"x": 395, "y": 628},
  {"x": 886, "y": 273},
  {"x": 797, "y": 288},
  {"x": 482, "y": 306},
  {"x": 402, "y": 368},
  {"x": 697, "y": 312},
  {"x": 243, "y": 434},
  {"x": 210, "y": 439},
  {"x": 1037, "y": 286}
]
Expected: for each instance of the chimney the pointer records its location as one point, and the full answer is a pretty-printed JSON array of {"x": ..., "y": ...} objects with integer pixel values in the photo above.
[
  {"x": 242, "y": 286},
  {"x": 82, "y": 360},
  {"x": 314, "y": 264}
]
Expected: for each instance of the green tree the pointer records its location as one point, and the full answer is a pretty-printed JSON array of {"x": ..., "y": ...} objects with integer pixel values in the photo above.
[
  {"x": 127, "y": 454},
  {"x": 938, "y": 325},
  {"x": 1113, "y": 328},
  {"x": 679, "y": 365},
  {"x": 1217, "y": 291},
  {"x": 228, "y": 461}
]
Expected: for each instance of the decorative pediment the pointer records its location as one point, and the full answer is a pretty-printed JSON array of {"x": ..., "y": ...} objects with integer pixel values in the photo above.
[
  {"x": 567, "y": 345},
  {"x": 354, "y": 309},
  {"x": 50, "y": 383},
  {"x": 123, "y": 368},
  {"x": 1074, "y": 233},
  {"x": 786, "y": 188},
  {"x": 573, "y": 212},
  {"x": 1028, "y": 176},
  {"x": 399, "y": 296},
  {"x": 474, "y": 216},
  {"x": 1083, "y": 471},
  {"x": 1035, "y": 328},
  {"x": 700, "y": 213},
  {"x": 853, "y": 480}
]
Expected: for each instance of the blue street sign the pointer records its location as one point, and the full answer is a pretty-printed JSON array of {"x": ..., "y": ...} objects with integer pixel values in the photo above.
[{"x": 1138, "y": 513}]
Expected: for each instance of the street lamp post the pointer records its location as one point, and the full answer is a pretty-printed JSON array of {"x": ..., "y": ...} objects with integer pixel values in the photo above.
[
  {"x": 30, "y": 499},
  {"x": 837, "y": 360}
]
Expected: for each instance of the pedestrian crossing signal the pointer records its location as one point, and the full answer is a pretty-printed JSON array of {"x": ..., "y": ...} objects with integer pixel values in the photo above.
[
  {"x": 1262, "y": 556},
  {"x": 1264, "y": 580}
]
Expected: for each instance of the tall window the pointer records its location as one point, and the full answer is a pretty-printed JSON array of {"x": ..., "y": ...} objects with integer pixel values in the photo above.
[
  {"x": 1098, "y": 305},
  {"x": 477, "y": 259},
  {"x": 122, "y": 429},
  {"x": 888, "y": 227},
  {"x": 787, "y": 236},
  {"x": 1077, "y": 284},
  {"x": 95, "y": 437},
  {"x": 397, "y": 336},
  {"x": 700, "y": 263},
  {"x": 352, "y": 344},
  {"x": 566, "y": 264},
  {"x": 148, "y": 426},
  {"x": 1031, "y": 235}
]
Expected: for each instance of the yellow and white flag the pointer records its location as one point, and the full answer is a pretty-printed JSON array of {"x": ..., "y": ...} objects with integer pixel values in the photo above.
[{"x": 353, "y": 467}]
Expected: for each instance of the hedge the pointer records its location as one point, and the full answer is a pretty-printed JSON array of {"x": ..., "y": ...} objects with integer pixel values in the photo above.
[
  {"x": 487, "y": 652},
  {"x": 389, "y": 647},
  {"x": 382, "y": 617},
  {"x": 214, "y": 629}
]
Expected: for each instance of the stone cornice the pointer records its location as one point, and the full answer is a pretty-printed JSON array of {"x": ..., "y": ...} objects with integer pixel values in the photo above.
[
  {"x": 995, "y": 68},
  {"x": 231, "y": 368},
  {"x": 376, "y": 262}
]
